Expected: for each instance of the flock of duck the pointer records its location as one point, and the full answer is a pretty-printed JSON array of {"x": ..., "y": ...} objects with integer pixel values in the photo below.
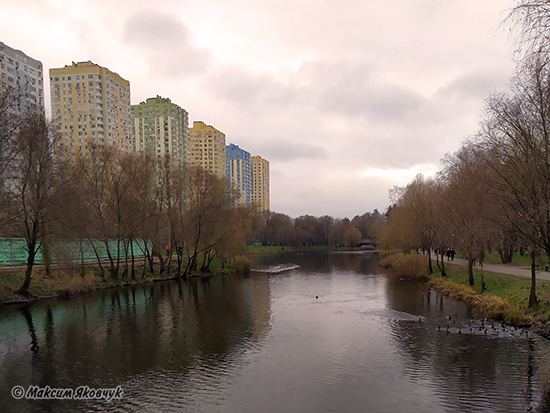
[{"x": 485, "y": 327}]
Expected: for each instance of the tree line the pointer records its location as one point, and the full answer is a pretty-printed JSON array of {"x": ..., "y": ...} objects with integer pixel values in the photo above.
[
  {"x": 274, "y": 228},
  {"x": 493, "y": 194}
]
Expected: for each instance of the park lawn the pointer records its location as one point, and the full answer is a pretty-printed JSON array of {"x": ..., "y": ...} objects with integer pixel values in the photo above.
[
  {"x": 520, "y": 260},
  {"x": 525, "y": 259},
  {"x": 263, "y": 249},
  {"x": 509, "y": 287}
]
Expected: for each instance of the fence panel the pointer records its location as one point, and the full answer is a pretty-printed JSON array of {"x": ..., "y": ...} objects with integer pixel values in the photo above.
[{"x": 13, "y": 251}]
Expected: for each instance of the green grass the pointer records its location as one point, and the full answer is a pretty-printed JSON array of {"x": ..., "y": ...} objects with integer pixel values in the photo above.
[
  {"x": 261, "y": 249},
  {"x": 521, "y": 260},
  {"x": 509, "y": 287},
  {"x": 216, "y": 265},
  {"x": 525, "y": 259}
]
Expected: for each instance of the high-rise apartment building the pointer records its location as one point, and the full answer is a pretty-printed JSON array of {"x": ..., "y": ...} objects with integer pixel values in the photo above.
[
  {"x": 23, "y": 75},
  {"x": 90, "y": 111},
  {"x": 207, "y": 148},
  {"x": 239, "y": 174},
  {"x": 161, "y": 127},
  {"x": 260, "y": 184}
]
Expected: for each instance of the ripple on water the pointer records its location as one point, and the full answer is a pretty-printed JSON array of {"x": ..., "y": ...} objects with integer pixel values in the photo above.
[{"x": 265, "y": 343}]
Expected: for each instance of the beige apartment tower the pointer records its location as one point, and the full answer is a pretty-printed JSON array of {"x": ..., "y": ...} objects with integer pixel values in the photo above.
[
  {"x": 90, "y": 111},
  {"x": 260, "y": 184},
  {"x": 207, "y": 148}
]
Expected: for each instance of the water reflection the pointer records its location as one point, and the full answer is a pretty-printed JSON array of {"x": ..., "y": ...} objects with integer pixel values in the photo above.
[
  {"x": 331, "y": 335},
  {"x": 360, "y": 262},
  {"x": 100, "y": 339},
  {"x": 467, "y": 371}
]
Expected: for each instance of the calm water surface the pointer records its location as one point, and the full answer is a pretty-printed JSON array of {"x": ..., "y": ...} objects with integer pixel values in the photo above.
[{"x": 330, "y": 335}]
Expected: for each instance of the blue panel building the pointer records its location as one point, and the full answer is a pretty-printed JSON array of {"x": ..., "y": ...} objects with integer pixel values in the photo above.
[{"x": 239, "y": 174}]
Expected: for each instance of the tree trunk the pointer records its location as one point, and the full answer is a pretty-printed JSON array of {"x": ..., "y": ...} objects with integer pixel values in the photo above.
[
  {"x": 161, "y": 260},
  {"x": 125, "y": 246},
  {"x": 169, "y": 261},
  {"x": 46, "y": 257},
  {"x": 470, "y": 269},
  {"x": 482, "y": 278},
  {"x": 133, "y": 271},
  {"x": 114, "y": 270},
  {"x": 96, "y": 252},
  {"x": 151, "y": 259},
  {"x": 24, "y": 290},
  {"x": 533, "y": 294},
  {"x": 82, "y": 267}
]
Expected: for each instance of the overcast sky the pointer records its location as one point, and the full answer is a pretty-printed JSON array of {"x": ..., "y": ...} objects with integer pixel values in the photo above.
[{"x": 344, "y": 98}]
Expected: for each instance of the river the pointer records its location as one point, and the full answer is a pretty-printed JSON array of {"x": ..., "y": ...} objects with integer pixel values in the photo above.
[{"x": 311, "y": 332}]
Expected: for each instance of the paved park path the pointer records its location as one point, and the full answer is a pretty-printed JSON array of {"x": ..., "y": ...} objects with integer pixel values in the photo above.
[{"x": 504, "y": 269}]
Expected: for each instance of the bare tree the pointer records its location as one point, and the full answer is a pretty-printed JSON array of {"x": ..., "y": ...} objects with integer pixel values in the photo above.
[
  {"x": 137, "y": 206},
  {"x": 419, "y": 203},
  {"x": 352, "y": 236},
  {"x": 103, "y": 190},
  {"x": 326, "y": 223},
  {"x": 530, "y": 24},
  {"x": 208, "y": 201},
  {"x": 226, "y": 237},
  {"x": 308, "y": 230},
  {"x": 515, "y": 138},
  {"x": 10, "y": 121},
  {"x": 398, "y": 232},
  {"x": 283, "y": 228},
  {"x": 31, "y": 186},
  {"x": 467, "y": 203},
  {"x": 444, "y": 240}
]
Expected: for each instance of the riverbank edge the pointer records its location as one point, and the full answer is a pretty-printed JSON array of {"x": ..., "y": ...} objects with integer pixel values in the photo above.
[
  {"x": 491, "y": 306},
  {"x": 98, "y": 285}
]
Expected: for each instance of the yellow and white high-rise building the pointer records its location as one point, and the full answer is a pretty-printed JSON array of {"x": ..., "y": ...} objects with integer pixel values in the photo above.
[
  {"x": 260, "y": 184},
  {"x": 207, "y": 148},
  {"x": 90, "y": 111}
]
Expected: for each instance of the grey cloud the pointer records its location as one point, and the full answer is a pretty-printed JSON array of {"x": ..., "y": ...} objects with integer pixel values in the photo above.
[
  {"x": 166, "y": 42},
  {"x": 380, "y": 102},
  {"x": 285, "y": 150},
  {"x": 349, "y": 89},
  {"x": 235, "y": 84},
  {"x": 340, "y": 88},
  {"x": 154, "y": 30},
  {"x": 473, "y": 85}
]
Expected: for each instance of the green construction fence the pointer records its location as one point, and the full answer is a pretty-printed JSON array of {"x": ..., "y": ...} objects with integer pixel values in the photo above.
[{"x": 13, "y": 251}]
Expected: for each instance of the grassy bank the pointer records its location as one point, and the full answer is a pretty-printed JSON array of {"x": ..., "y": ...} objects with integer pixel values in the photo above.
[
  {"x": 64, "y": 282},
  {"x": 404, "y": 265},
  {"x": 269, "y": 249},
  {"x": 505, "y": 298},
  {"x": 265, "y": 249}
]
